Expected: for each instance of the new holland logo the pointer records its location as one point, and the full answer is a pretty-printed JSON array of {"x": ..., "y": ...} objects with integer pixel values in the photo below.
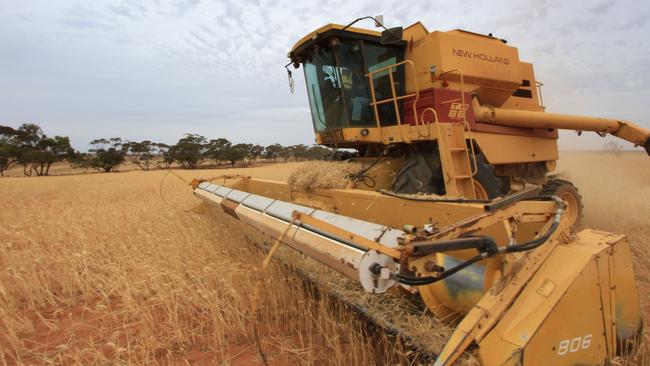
[
  {"x": 458, "y": 110},
  {"x": 480, "y": 56}
]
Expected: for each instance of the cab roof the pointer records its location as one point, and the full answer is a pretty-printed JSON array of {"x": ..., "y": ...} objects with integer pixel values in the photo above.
[{"x": 327, "y": 28}]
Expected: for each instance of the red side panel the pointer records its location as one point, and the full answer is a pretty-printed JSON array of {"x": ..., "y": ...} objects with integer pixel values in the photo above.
[{"x": 449, "y": 107}]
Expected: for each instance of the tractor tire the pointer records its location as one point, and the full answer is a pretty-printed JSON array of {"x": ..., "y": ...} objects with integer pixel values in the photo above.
[
  {"x": 570, "y": 195},
  {"x": 421, "y": 173},
  {"x": 492, "y": 185}
]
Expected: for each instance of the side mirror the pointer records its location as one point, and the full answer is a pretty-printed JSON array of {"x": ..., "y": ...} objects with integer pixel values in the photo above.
[{"x": 392, "y": 35}]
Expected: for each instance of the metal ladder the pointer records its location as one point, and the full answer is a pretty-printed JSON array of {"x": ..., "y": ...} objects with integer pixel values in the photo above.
[
  {"x": 455, "y": 159},
  {"x": 455, "y": 155}
]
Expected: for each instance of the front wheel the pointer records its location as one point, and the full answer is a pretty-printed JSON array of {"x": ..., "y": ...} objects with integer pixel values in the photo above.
[{"x": 570, "y": 195}]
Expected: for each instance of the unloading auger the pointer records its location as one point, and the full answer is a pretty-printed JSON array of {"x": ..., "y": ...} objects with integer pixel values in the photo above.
[{"x": 530, "y": 292}]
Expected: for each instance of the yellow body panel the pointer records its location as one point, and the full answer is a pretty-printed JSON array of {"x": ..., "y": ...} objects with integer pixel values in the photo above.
[
  {"x": 568, "y": 278},
  {"x": 521, "y": 149},
  {"x": 558, "y": 310},
  {"x": 533, "y": 104},
  {"x": 487, "y": 65},
  {"x": 366, "y": 205}
]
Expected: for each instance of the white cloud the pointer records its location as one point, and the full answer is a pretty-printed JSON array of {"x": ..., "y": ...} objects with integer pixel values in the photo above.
[{"x": 156, "y": 69}]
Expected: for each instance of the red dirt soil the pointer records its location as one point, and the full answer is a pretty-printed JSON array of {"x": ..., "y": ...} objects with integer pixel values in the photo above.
[{"x": 90, "y": 332}]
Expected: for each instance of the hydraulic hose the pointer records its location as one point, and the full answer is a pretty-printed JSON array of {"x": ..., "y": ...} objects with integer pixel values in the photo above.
[
  {"x": 529, "y": 245},
  {"x": 420, "y": 281}
]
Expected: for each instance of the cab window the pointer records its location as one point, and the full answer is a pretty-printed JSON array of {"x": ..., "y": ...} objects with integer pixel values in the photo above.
[{"x": 338, "y": 89}]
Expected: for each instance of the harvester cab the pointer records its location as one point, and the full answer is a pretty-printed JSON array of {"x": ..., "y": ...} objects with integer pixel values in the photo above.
[
  {"x": 460, "y": 210},
  {"x": 455, "y": 114}
]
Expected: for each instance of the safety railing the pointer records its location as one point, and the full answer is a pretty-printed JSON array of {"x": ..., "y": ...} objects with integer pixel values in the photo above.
[{"x": 394, "y": 98}]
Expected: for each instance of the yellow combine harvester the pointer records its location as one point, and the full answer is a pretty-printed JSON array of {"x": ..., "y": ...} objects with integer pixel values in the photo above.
[{"x": 455, "y": 203}]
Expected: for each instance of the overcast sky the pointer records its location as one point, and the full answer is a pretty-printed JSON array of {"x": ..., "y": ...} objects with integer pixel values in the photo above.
[{"x": 157, "y": 69}]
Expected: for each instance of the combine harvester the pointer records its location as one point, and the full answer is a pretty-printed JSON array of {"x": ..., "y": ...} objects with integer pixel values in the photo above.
[{"x": 455, "y": 202}]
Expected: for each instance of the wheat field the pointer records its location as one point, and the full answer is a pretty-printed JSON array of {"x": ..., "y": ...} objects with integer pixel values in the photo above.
[{"x": 129, "y": 268}]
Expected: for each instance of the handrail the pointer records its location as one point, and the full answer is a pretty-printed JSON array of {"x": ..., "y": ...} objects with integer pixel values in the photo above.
[
  {"x": 394, "y": 97},
  {"x": 540, "y": 101},
  {"x": 435, "y": 121},
  {"x": 440, "y": 144}
]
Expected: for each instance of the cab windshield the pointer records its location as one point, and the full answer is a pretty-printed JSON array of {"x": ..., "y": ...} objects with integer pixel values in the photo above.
[{"x": 338, "y": 90}]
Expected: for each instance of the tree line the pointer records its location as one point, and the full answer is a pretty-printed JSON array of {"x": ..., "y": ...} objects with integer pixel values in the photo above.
[{"x": 29, "y": 147}]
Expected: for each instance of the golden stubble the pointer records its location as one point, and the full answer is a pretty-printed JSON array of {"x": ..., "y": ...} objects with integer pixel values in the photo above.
[
  {"x": 101, "y": 268},
  {"x": 109, "y": 268}
]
